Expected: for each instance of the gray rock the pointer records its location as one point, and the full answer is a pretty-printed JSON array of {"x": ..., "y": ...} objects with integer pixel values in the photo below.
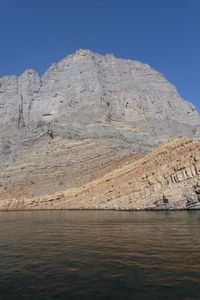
[
  {"x": 86, "y": 95},
  {"x": 193, "y": 203}
]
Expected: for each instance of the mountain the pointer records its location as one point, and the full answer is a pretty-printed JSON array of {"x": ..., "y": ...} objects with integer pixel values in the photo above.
[{"x": 88, "y": 117}]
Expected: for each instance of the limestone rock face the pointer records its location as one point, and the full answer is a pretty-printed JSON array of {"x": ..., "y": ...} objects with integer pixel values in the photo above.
[
  {"x": 87, "y": 95},
  {"x": 86, "y": 116},
  {"x": 167, "y": 179}
]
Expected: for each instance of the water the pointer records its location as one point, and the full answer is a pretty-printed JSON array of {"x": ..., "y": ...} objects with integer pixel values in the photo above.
[{"x": 99, "y": 255}]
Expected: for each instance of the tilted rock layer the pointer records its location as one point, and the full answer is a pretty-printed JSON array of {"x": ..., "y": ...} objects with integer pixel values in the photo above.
[
  {"x": 168, "y": 178},
  {"x": 80, "y": 137}
]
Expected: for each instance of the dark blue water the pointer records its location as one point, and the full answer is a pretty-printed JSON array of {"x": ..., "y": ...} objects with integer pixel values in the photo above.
[{"x": 99, "y": 255}]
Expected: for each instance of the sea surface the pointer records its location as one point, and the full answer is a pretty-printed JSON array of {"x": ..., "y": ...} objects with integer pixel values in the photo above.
[{"x": 99, "y": 255}]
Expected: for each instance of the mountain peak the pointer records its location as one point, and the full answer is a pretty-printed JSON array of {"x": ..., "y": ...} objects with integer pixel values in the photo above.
[
  {"x": 76, "y": 133},
  {"x": 84, "y": 52},
  {"x": 97, "y": 97}
]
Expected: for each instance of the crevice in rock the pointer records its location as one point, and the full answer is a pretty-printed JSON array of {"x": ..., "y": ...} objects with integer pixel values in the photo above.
[{"x": 21, "y": 122}]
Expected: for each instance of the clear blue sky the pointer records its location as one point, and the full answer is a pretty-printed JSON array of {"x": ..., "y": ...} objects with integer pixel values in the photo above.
[{"x": 162, "y": 33}]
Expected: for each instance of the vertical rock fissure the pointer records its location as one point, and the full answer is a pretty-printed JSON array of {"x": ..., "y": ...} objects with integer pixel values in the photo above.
[{"x": 21, "y": 122}]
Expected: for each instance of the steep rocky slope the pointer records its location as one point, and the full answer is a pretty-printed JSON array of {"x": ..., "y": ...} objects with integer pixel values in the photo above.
[
  {"x": 88, "y": 117},
  {"x": 169, "y": 178},
  {"x": 87, "y": 95},
  {"x": 51, "y": 165}
]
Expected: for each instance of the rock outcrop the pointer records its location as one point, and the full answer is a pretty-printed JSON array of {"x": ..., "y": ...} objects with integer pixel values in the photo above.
[
  {"x": 167, "y": 179},
  {"x": 86, "y": 124}
]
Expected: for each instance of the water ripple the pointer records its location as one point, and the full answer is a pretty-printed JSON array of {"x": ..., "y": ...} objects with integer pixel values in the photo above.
[{"x": 99, "y": 255}]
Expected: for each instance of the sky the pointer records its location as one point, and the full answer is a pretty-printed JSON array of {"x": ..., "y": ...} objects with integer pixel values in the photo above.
[{"x": 163, "y": 33}]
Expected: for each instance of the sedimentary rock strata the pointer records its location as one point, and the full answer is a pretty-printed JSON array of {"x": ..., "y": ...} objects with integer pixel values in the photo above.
[
  {"x": 168, "y": 178},
  {"x": 82, "y": 136}
]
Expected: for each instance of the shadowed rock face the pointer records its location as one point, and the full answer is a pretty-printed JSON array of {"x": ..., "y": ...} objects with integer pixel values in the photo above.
[{"x": 88, "y": 112}]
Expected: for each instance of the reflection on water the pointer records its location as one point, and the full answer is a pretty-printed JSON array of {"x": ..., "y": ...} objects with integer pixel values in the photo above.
[{"x": 99, "y": 255}]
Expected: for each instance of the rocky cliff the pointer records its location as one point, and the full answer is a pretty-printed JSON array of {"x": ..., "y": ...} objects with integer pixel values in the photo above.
[{"x": 86, "y": 124}]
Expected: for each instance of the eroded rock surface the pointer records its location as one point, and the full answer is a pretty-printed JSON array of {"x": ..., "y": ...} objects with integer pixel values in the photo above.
[
  {"x": 168, "y": 178},
  {"x": 87, "y": 95},
  {"x": 86, "y": 117}
]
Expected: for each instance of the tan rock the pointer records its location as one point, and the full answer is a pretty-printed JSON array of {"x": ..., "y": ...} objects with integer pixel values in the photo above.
[{"x": 130, "y": 183}]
